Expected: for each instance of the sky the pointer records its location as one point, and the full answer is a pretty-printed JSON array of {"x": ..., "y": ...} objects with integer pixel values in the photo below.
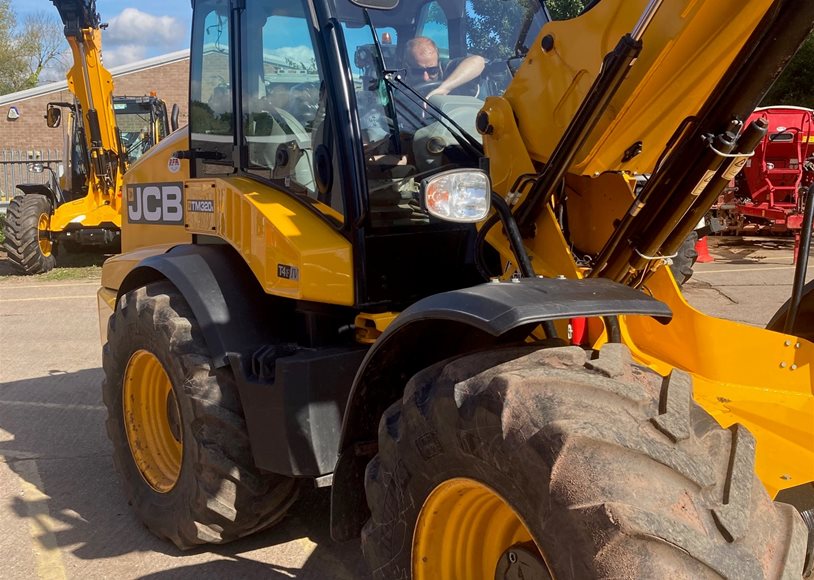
[{"x": 138, "y": 29}]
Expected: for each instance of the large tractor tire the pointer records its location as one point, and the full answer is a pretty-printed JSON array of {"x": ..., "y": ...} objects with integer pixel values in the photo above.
[
  {"x": 684, "y": 262},
  {"x": 548, "y": 463},
  {"x": 179, "y": 436},
  {"x": 28, "y": 242}
]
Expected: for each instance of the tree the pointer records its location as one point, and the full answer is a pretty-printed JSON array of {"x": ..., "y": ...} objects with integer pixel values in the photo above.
[
  {"x": 794, "y": 87},
  {"x": 492, "y": 25},
  {"x": 43, "y": 41},
  {"x": 13, "y": 66},
  {"x": 26, "y": 51},
  {"x": 564, "y": 9}
]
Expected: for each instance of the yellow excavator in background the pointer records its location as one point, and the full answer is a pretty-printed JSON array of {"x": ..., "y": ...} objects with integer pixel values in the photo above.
[
  {"x": 80, "y": 209},
  {"x": 362, "y": 266}
]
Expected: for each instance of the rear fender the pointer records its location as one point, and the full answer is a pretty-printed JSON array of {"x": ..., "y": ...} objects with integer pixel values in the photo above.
[
  {"x": 446, "y": 325},
  {"x": 221, "y": 291},
  {"x": 41, "y": 189}
]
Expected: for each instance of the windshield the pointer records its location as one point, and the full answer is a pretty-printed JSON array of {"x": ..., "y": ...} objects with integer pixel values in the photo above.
[
  {"x": 134, "y": 121},
  {"x": 421, "y": 73}
]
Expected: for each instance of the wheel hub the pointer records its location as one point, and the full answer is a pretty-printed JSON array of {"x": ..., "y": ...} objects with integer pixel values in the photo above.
[
  {"x": 44, "y": 234},
  {"x": 467, "y": 530},
  {"x": 522, "y": 562},
  {"x": 152, "y": 421}
]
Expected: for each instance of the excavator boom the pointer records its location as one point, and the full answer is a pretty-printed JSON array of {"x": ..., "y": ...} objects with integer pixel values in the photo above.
[{"x": 92, "y": 84}]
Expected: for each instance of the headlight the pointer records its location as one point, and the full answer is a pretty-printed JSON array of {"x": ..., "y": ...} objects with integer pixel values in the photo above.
[{"x": 459, "y": 195}]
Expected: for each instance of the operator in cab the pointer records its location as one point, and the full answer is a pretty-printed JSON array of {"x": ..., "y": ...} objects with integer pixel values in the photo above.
[{"x": 424, "y": 67}]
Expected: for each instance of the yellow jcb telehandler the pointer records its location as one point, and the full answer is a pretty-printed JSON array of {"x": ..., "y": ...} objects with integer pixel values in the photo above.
[
  {"x": 80, "y": 209},
  {"x": 359, "y": 265}
]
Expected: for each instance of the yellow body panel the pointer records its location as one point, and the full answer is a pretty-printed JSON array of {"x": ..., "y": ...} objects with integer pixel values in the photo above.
[
  {"x": 742, "y": 374},
  {"x": 594, "y": 203},
  {"x": 85, "y": 211},
  {"x": 508, "y": 162},
  {"x": 292, "y": 252},
  {"x": 154, "y": 167},
  {"x": 687, "y": 50}
]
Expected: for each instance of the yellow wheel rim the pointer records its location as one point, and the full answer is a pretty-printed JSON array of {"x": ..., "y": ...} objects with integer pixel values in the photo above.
[
  {"x": 152, "y": 421},
  {"x": 43, "y": 235},
  {"x": 462, "y": 531}
]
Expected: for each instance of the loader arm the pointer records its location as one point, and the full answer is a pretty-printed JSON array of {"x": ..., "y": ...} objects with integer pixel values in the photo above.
[
  {"x": 92, "y": 85},
  {"x": 664, "y": 89}
]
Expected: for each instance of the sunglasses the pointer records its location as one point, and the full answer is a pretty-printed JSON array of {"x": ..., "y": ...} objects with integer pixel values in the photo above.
[{"x": 418, "y": 71}]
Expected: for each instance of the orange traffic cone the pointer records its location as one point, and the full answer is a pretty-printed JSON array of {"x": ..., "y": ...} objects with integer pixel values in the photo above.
[{"x": 703, "y": 251}]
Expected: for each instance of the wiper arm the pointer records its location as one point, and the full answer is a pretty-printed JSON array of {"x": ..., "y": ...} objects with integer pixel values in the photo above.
[{"x": 464, "y": 138}]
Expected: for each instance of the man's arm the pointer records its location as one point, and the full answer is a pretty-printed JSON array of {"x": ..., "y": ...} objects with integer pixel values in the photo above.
[{"x": 469, "y": 69}]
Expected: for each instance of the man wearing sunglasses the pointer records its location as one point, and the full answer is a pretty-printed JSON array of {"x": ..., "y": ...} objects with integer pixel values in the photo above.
[{"x": 424, "y": 66}]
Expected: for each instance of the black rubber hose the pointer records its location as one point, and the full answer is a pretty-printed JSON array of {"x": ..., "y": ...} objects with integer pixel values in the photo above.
[{"x": 800, "y": 271}]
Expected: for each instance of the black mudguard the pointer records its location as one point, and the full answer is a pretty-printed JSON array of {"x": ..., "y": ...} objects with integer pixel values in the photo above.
[
  {"x": 221, "y": 291},
  {"x": 41, "y": 189},
  {"x": 445, "y": 325}
]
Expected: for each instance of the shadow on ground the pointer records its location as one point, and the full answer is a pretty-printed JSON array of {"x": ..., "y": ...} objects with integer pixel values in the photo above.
[
  {"x": 749, "y": 250},
  {"x": 57, "y": 423}
]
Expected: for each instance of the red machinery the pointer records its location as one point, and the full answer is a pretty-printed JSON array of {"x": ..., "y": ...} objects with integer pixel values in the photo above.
[{"x": 768, "y": 194}]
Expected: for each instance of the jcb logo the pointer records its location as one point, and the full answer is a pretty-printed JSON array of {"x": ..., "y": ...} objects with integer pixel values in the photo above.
[{"x": 159, "y": 203}]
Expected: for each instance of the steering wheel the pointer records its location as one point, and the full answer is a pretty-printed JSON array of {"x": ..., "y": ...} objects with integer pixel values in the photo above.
[{"x": 425, "y": 88}]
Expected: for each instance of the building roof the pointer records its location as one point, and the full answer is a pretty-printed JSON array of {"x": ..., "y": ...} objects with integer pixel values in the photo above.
[{"x": 118, "y": 71}]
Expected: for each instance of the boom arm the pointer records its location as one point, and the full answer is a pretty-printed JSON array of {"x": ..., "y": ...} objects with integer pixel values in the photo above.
[{"x": 92, "y": 85}]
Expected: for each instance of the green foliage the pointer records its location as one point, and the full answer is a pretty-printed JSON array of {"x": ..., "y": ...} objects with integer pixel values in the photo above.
[
  {"x": 795, "y": 87},
  {"x": 26, "y": 50},
  {"x": 492, "y": 25},
  {"x": 13, "y": 66},
  {"x": 564, "y": 9}
]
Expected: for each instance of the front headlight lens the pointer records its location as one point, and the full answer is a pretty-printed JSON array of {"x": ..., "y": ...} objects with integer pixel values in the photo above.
[{"x": 459, "y": 195}]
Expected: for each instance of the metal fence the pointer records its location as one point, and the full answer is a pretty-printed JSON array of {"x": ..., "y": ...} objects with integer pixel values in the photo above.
[{"x": 15, "y": 169}]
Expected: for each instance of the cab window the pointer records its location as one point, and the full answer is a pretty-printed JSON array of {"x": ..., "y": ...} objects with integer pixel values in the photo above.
[
  {"x": 211, "y": 118},
  {"x": 284, "y": 98},
  {"x": 432, "y": 23}
]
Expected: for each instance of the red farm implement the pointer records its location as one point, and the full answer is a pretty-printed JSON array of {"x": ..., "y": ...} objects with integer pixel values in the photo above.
[{"x": 768, "y": 195}]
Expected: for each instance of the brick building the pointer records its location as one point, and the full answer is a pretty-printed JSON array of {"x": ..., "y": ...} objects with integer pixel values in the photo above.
[{"x": 25, "y": 136}]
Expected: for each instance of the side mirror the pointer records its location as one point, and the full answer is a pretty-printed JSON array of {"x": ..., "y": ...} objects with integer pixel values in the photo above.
[
  {"x": 53, "y": 116},
  {"x": 458, "y": 195},
  {"x": 36, "y": 167}
]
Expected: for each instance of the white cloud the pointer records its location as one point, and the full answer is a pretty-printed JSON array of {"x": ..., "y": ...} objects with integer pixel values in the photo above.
[
  {"x": 133, "y": 32},
  {"x": 123, "y": 54}
]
